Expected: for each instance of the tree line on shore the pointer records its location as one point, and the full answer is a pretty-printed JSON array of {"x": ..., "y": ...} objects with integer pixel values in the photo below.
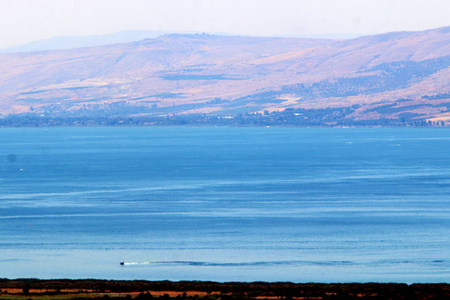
[
  {"x": 142, "y": 290},
  {"x": 330, "y": 117}
]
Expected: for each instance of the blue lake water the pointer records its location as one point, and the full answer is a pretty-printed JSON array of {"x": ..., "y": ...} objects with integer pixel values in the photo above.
[{"x": 226, "y": 204}]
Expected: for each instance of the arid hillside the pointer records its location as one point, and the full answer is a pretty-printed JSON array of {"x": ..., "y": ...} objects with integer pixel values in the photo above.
[{"x": 399, "y": 75}]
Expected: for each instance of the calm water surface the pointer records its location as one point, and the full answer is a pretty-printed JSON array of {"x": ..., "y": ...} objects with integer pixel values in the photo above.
[{"x": 226, "y": 204}]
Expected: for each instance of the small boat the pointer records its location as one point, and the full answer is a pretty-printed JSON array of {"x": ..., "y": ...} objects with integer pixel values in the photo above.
[{"x": 122, "y": 263}]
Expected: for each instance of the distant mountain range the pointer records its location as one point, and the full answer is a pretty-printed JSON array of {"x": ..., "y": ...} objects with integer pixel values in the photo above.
[
  {"x": 398, "y": 76},
  {"x": 71, "y": 42}
]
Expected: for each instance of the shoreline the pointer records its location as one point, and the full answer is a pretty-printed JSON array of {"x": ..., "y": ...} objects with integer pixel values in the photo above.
[{"x": 208, "y": 290}]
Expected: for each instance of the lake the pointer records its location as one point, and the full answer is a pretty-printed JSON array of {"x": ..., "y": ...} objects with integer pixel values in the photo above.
[{"x": 225, "y": 204}]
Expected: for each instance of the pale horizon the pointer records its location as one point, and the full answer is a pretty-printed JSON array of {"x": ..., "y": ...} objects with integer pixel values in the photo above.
[{"x": 24, "y": 21}]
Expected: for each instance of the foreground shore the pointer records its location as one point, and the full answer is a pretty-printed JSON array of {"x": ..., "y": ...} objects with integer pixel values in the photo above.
[{"x": 141, "y": 290}]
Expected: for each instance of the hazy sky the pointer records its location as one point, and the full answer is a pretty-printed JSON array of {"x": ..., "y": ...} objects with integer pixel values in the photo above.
[{"x": 27, "y": 20}]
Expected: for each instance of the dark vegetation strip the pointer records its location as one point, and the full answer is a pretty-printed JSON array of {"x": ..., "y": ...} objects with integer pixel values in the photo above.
[
  {"x": 221, "y": 291},
  {"x": 327, "y": 117},
  {"x": 389, "y": 76},
  {"x": 197, "y": 77}
]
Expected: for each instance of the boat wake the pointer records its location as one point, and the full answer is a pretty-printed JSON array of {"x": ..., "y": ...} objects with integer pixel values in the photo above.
[
  {"x": 135, "y": 263},
  {"x": 235, "y": 264},
  {"x": 286, "y": 263}
]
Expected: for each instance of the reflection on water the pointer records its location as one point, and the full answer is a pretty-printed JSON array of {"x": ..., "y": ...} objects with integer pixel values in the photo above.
[{"x": 224, "y": 204}]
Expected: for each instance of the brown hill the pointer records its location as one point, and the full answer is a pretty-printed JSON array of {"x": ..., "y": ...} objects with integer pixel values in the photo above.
[{"x": 394, "y": 75}]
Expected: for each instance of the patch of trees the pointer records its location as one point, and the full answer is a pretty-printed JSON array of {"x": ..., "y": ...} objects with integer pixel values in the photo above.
[
  {"x": 390, "y": 76},
  {"x": 327, "y": 117},
  {"x": 142, "y": 290},
  {"x": 438, "y": 96}
]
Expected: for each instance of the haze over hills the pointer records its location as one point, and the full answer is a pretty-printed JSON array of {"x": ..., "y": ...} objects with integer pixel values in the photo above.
[
  {"x": 70, "y": 42},
  {"x": 392, "y": 76}
]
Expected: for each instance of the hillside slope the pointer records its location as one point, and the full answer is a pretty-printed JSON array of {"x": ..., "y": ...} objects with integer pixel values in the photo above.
[{"x": 390, "y": 76}]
